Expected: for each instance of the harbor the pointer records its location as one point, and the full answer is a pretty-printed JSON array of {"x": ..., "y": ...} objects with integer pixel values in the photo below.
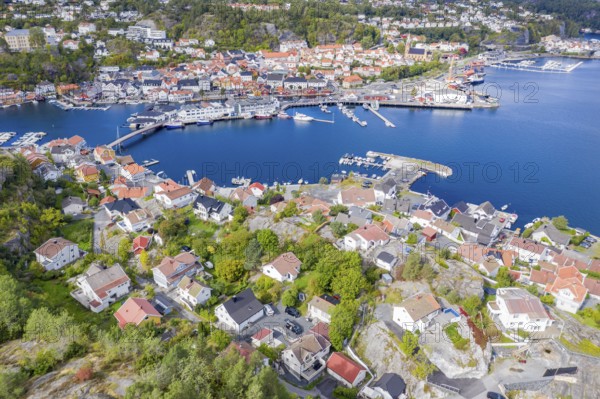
[
  {"x": 529, "y": 65},
  {"x": 6, "y": 137},
  {"x": 29, "y": 138}
]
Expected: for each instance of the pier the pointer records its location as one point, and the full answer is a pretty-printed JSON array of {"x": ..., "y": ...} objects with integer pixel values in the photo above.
[
  {"x": 149, "y": 163},
  {"x": 383, "y": 118},
  {"x": 405, "y": 163}
]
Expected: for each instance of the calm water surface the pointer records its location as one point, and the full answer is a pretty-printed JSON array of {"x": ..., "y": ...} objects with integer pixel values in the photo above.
[{"x": 539, "y": 152}]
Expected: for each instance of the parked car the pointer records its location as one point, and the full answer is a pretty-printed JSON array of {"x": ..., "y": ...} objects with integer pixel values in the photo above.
[
  {"x": 293, "y": 327},
  {"x": 494, "y": 395},
  {"x": 269, "y": 310},
  {"x": 292, "y": 311}
]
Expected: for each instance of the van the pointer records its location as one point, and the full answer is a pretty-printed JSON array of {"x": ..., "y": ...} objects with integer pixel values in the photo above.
[{"x": 269, "y": 310}]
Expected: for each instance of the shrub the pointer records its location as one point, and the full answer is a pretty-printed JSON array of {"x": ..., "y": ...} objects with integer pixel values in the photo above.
[{"x": 84, "y": 373}]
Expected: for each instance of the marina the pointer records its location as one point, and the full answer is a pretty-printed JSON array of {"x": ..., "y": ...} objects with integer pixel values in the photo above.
[
  {"x": 6, "y": 136},
  {"x": 387, "y": 122},
  {"x": 550, "y": 66},
  {"x": 29, "y": 139}
]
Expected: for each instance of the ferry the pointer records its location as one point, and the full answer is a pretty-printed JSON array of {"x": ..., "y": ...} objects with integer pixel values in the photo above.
[
  {"x": 204, "y": 122},
  {"x": 174, "y": 125},
  {"x": 263, "y": 116},
  {"x": 476, "y": 79},
  {"x": 283, "y": 115},
  {"x": 240, "y": 181},
  {"x": 303, "y": 118}
]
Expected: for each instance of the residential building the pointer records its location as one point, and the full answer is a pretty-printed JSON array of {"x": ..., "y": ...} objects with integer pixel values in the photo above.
[
  {"x": 365, "y": 238},
  {"x": 551, "y": 235},
  {"x": 56, "y": 253},
  {"x": 73, "y": 205},
  {"x": 87, "y": 173},
  {"x": 285, "y": 267},
  {"x": 134, "y": 172},
  {"x": 103, "y": 286},
  {"x": 208, "y": 208},
  {"x": 172, "y": 270},
  {"x": 568, "y": 289},
  {"x": 18, "y": 40},
  {"x": 177, "y": 198},
  {"x": 386, "y": 260},
  {"x": 416, "y": 312},
  {"x": 137, "y": 220},
  {"x": 389, "y": 386},
  {"x": 385, "y": 190},
  {"x": 264, "y": 336},
  {"x": 192, "y": 292},
  {"x": 137, "y": 311},
  {"x": 345, "y": 370},
  {"x": 120, "y": 207},
  {"x": 527, "y": 250},
  {"x": 205, "y": 186},
  {"x": 240, "y": 311},
  {"x": 105, "y": 155},
  {"x": 304, "y": 358},
  {"x": 357, "y": 196},
  {"x": 516, "y": 308},
  {"x": 321, "y": 307}
]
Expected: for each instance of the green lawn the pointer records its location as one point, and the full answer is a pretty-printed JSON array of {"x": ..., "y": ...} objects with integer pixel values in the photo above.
[
  {"x": 201, "y": 228},
  {"x": 583, "y": 346},
  {"x": 55, "y": 294},
  {"x": 80, "y": 232}
]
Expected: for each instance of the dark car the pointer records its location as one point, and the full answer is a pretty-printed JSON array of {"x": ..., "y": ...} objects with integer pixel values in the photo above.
[
  {"x": 293, "y": 327},
  {"x": 292, "y": 311},
  {"x": 494, "y": 395},
  {"x": 186, "y": 248}
]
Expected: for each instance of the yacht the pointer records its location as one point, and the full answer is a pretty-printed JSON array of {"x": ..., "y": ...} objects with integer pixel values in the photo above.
[
  {"x": 204, "y": 122},
  {"x": 283, "y": 115},
  {"x": 303, "y": 118}
]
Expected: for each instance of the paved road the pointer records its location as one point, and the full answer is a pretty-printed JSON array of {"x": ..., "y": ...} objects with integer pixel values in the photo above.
[
  {"x": 101, "y": 220},
  {"x": 298, "y": 391}
]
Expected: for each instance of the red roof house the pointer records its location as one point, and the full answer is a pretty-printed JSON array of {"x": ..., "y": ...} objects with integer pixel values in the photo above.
[
  {"x": 137, "y": 311},
  {"x": 345, "y": 370}
]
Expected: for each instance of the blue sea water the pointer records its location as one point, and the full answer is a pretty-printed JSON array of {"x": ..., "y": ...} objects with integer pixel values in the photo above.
[{"x": 538, "y": 152}]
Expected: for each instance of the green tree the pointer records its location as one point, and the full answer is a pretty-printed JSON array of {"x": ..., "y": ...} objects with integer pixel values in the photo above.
[
  {"x": 471, "y": 304},
  {"x": 12, "y": 384},
  {"x": 560, "y": 222},
  {"x": 268, "y": 241},
  {"x": 413, "y": 267},
  {"x": 219, "y": 339},
  {"x": 229, "y": 269},
  {"x": 290, "y": 296},
  {"x": 145, "y": 259},
  {"x": 253, "y": 254},
  {"x": 338, "y": 208},
  {"x": 409, "y": 344},
  {"x": 124, "y": 250},
  {"x": 318, "y": 217},
  {"x": 240, "y": 213},
  {"x": 37, "y": 37},
  {"x": 349, "y": 282},
  {"x": 412, "y": 239},
  {"x": 343, "y": 318},
  {"x": 503, "y": 278},
  {"x": 15, "y": 308}
]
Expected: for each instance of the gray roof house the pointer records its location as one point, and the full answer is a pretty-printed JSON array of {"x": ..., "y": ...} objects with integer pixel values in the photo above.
[
  {"x": 390, "y": 386},
  {"x": 73, "y": 205},
  {"x": 552, "y": 234},
  {"x": 240, "y": 311}
]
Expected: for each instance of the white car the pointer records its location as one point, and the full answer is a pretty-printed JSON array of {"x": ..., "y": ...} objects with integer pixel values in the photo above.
[{"x": 269, "y": 310}]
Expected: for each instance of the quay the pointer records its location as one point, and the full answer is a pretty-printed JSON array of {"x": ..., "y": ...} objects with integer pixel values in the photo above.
[
  {"x": 383, "y": 118},
  {"x": 399, "y": 162},
  {"x": 392, "y": 103}
]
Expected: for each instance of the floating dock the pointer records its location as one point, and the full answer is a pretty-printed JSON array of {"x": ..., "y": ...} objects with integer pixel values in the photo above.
[
  {"x": 387, "y": 122},
  {"x": 150, "y": 162}
]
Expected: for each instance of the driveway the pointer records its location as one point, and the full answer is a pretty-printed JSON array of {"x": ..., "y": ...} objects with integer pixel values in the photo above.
[
  {"x": 170, "y": 298},
  {"x": 277, "y": 324},
  {"x": 101, "y": 220}
]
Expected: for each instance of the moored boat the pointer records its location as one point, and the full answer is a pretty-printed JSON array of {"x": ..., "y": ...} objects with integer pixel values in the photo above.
[
  {"x": 283, "y": 115},
  {"x": 174, "y": 125},
  {"x": 204, "y": 122},
  {"x": 263, "y": 116},
  {"x": 303, "y": 118}
]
